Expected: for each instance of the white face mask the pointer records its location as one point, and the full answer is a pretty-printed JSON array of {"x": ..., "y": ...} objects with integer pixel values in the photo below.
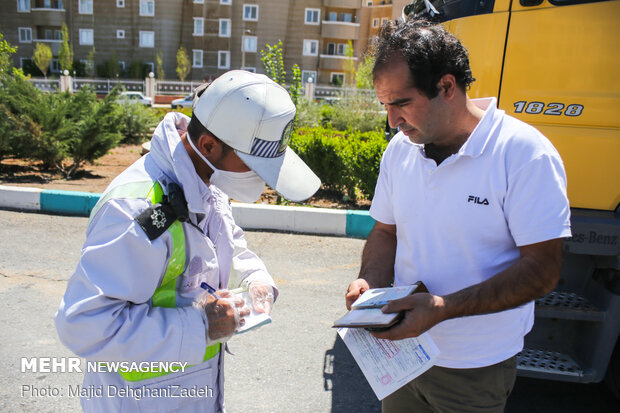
[{"x": 241, "y": 186}]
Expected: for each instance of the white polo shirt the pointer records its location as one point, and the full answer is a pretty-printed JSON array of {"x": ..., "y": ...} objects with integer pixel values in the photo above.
[{"x": 461, "y": 222}]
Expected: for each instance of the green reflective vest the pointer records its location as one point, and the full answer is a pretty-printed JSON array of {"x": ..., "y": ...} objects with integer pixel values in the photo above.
[{"x": 165, "y": 293}]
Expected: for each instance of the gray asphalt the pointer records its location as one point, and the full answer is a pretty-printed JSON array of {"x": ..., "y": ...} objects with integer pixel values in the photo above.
[{"x": 294, "y": 364}]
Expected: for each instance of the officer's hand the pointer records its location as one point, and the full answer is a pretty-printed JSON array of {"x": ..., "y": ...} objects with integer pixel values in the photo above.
[
  {"x": 225, "y": 315},
  {"x": 422, "y": 311},
  {"x": 261, "y": 295},
  {"x": 356, "y": 288}
]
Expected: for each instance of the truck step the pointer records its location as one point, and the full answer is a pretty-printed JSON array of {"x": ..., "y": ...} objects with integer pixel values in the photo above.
[
  {"x": 569, "y": 306},
  {"x": 545, "y": 364}
]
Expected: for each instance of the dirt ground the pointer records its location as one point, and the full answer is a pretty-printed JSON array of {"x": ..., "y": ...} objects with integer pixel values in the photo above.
[{"x": 96, "y": 177}]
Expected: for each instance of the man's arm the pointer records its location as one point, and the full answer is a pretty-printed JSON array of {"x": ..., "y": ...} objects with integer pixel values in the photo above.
[
  {"x": 534, "y": 275},
  {"x": 377, "y": 262}
]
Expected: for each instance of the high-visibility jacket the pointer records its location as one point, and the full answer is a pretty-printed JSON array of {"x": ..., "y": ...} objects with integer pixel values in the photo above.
[{"x": 113, "y": 308}]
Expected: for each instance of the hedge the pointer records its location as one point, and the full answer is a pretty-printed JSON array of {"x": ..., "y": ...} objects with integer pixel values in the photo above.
[{"x": 347, "y": 162}]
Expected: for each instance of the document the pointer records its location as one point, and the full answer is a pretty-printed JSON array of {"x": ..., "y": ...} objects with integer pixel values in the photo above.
[
  {"x": 388, "y": 365},
  {"x": 255, "y": 319}
]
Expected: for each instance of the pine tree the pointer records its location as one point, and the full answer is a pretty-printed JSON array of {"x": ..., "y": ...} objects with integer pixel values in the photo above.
[
  {"x": 183, "y": 64},
  {"x": 65, "y": 54}
]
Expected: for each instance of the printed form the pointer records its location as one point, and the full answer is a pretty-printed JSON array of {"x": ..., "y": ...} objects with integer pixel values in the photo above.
[{"x": 389, "y": 365}]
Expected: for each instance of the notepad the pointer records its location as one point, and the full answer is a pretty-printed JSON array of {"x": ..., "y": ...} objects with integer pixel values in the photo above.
[
  {"x": 366, "y": 310},
  {"x": 255, "y": 319}
]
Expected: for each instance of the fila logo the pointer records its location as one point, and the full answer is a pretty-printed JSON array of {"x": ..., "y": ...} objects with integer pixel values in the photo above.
[{"x": 477, "y": 200}]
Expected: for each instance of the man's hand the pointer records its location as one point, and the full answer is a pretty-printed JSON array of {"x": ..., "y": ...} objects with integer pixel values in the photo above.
[
  {"x": 225, "y": 315},
  {"x": 356, "y": 288},
  {"x": 422, "y": 311}
]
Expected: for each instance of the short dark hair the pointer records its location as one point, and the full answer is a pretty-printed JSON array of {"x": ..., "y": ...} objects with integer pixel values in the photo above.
[
  {"x": 429, "y": 50},
  {"x": 195, "y": 129}
]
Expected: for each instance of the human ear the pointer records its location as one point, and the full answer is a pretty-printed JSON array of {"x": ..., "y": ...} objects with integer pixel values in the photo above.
[
  {"x": 206, "y": 144},
  {"x": 447, "y": 86}
]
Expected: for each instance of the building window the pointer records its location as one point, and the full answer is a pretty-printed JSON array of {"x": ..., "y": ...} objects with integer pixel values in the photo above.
[
  {"x": 47, "y": 34},
  {"x": 23, "y": 5},
  {"x": 249, "y": 43},
  {"x": 375, "y": 23},
  {"x": 224, "y": 28},
  {"x": 336, "y": 79},
  {"x": 147, "y": 39},
  {"x": 25, "y": 35},
  {"x": 345, "y": 17},
  {"x": 199, "y": 1},
  {"x": 383, "y": 20},
  {"x": 85, "y": 7},
  {"x": 306, "y": 75},
  {"x": 199, "y": 26},
  {"x": 120, "y": 34},
  {"x": 86, "y": 36},
  {"x": 57, "y": 35},
  {"x": 150, "y": 66},
  {"x": 311, "y": 47},
  {"x": 121, "y": 65},
  {"x": 250, "y": 12},
  {"x": 369, "y": 3},
  {"x": 333, "y": 16},
  {"x": 249, "y": 69},
  {"x": 147, "y": 7},
  {"x": 313, "y": 16},
  {"x": 341, "y": 49},
  {"x": 225, "y": 2},
  {"x": 120, "y": 3},
  {"x": 24, "y": 60},
  {"x": 197, "y": 58},
  {"x": 54, "y": 66},
  {"x": 331, "y": 48},
  {"x": 223, "y": 59}
]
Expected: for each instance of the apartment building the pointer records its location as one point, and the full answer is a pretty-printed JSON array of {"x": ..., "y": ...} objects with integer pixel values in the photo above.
[{"x": 218, "y": 35}]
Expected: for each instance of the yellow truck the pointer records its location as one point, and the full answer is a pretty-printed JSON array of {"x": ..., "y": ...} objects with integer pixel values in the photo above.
[{"x": 555, "y": 64}]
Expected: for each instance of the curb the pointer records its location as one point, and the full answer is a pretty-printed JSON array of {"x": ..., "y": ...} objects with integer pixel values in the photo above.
[{"x": 323, "y": 221}]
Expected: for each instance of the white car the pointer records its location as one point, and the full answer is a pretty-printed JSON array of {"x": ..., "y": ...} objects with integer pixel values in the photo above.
[
  {"x": 185, "y": 102},
  {"x": 135, "y": 97}
]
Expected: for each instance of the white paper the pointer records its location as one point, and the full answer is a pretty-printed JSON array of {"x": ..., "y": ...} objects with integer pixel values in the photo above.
[
  {"x": 378, "y": 297},
  {"x": 255, "y": 319},
  {"x": 389, "y": 365}
]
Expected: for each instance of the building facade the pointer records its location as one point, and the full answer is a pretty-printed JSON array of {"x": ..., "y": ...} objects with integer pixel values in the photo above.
[{"x": 218, "y": 35}]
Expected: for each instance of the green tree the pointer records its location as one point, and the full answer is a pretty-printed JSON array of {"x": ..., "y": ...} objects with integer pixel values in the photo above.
[
  {"x": 90, "y": 63},
  {"x": 42, "y": 57},
  {"x": 183, "y": 64},
  {"x": 349, "y": 65},
  {"x": 159, "y": 63},
  {"x": 6, "y": 65},
  {"x": 295, "y": 89},
  {"x": 65, "y": 53},
  {"x": 363, "y": 75},
  {"x": 273, "y": 62}
]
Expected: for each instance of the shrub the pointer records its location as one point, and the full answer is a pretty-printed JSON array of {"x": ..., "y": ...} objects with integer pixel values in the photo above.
[
  {"x": 347, "y": 162},
  {"x": 136, "y": 122}
]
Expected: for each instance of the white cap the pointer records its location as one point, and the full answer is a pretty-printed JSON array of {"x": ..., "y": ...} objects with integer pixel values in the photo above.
[{"x": 254, "y": 115}]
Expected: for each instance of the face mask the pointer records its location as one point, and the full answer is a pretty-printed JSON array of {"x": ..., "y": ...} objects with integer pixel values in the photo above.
[{"x": 241, "y": 186}]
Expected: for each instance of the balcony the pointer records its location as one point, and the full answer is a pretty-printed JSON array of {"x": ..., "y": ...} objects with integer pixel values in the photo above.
[
  {"x": 340, "y": 30},
  {"x": 47, "y": 16},
  {"x": 334, "y": 62},
  {"x": 343, "y": 4}
]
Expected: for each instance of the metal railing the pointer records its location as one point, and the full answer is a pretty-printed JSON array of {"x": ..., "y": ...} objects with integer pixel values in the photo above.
[{"x": 173, "y": 87}]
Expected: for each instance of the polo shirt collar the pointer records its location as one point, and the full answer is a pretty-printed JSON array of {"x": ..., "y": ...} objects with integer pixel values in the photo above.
[{"x": 477, "y": 141}]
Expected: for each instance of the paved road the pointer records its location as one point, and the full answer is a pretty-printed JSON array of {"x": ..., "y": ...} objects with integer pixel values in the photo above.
[{"x": 295, "y": 364}]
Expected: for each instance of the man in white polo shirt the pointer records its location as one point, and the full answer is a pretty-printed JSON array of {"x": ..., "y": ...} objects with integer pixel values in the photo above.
[{"x": 473, "y": 203}]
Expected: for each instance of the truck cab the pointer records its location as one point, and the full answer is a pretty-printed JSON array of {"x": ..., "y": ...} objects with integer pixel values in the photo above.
[{"x": 555, "y": 65}]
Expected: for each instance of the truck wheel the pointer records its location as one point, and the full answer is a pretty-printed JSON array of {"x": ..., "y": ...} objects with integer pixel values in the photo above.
[{"x": 612, "y": 377}]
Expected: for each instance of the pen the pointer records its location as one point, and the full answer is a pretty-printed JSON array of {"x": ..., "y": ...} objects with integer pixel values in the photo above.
[{"x": 205, "y": 286}]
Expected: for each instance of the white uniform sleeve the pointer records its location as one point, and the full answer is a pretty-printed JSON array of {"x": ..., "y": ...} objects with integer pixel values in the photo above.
[
  {"x": 105, "y": 313},
  {"x": 536, "y": 206},
  {"x": 247, "y": 266}
]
